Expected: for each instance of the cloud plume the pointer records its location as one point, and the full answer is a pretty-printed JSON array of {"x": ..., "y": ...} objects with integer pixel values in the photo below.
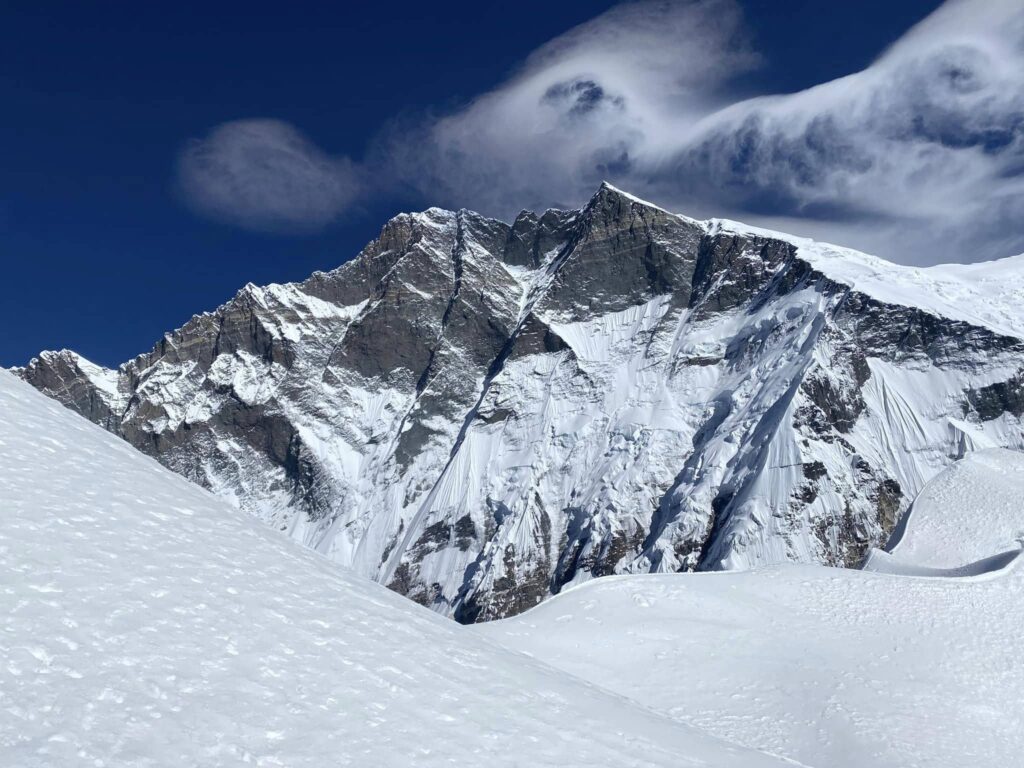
[
  {"x": 601, "y": 101},
  {"x": 919, "y": 157}
]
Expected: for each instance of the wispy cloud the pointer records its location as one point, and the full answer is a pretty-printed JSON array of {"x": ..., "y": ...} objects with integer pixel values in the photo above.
[
  {"x": 919, "y": 157},
  {"x": 604, "y": 100},
  {"x": 265, "y": 175}
]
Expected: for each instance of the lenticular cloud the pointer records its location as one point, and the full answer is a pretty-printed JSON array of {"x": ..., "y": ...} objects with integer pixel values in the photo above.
[
  {"x": 602, "y": 101},
  {"x": 921, "y": 153},
  {"x": 918, "y": 158}
]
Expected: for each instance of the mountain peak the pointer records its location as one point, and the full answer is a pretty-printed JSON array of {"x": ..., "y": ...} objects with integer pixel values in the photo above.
[
  {"x": 477, "y": 413},
  {"x": 608, "y": 191}
]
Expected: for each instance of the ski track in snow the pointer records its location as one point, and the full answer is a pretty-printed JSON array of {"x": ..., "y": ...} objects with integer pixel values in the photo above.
[
  {"x": 144, "y": 622},
  {"x": 918, "y": 664}
]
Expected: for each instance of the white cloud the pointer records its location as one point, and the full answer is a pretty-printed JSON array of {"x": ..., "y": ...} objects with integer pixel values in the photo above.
[
  {"x": 265, "y": 175},
  {"x": 601, "y": 101},
  {"x": 920, "y": 157}
]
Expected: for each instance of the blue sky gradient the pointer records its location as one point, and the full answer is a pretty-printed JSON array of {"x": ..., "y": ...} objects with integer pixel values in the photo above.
[{"x": 101, "y": 253}]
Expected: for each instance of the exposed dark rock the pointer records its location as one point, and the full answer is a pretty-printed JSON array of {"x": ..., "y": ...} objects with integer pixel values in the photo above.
[
  {"x": 731, "y": 269},
  {"x": 993, "y": 401},
  {"x": 60, "y": 375},
  {"x": 532, "y": 238},
  {"x": 814, "y": 470},
  {"x": 510, "y": 594},
  {"x": 887, "y": 500},
  {"x": 465, "y": 532},
  {"x": 622, "y": 254}
]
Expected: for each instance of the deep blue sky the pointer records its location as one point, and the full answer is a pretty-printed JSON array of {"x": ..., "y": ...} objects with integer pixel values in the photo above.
[{"x": 98, "y": 253}]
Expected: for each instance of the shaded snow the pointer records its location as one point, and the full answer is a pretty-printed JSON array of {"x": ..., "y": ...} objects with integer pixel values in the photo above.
[
  {"x": 837, "y": 668},
  {"x": 144, "y": 622}
]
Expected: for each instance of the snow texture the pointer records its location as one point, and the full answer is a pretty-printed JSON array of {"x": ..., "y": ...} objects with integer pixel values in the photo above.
[
  {"x": 919, "y": 664},
  {"x": 971, "y": 511},
  {"x": 144, "y": 622}
]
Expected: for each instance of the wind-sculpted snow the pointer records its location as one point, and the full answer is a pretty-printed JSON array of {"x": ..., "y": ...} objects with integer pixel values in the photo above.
[
  {"x": 477, "y": 414},
  {"x": 917, "y": 662},
  {"x": 144, "y": 622},
  {"x": 970, "y": 511}
]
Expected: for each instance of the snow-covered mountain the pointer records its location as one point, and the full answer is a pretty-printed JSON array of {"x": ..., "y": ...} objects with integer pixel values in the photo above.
[
  {"x": 915, "y": 661},
  {"x": 146, "y": 623},
  {"x": 477, "y": 414}
]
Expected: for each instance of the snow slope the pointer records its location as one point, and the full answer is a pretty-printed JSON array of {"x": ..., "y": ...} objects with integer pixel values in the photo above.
[
  {"x": 971, "y": 511},
  {"x": 987, "y": 294},
  {"x": 143, "y": 622},
  {"x": 830, "y": 667}
]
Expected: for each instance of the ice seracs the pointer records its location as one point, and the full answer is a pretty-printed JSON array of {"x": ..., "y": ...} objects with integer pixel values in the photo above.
[{"x": 477, "y": 414}]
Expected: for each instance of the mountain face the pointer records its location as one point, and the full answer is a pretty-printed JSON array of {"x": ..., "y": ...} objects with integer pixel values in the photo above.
[{"x": 477, "y": 414}]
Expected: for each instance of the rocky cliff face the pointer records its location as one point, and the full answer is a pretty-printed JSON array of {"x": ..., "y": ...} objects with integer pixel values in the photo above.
[{"x": 478, "y": 414}]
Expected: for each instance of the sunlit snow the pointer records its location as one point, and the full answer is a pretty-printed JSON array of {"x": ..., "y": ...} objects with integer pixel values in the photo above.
[
  {"x": 144, "y": 622},
  {"x": 831, "y": 667}
]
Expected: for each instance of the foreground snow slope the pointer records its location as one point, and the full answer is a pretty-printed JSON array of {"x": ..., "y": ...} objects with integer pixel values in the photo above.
[
  {"x": 831, "y": 667},
  {"x": 143, "y": 622}
]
